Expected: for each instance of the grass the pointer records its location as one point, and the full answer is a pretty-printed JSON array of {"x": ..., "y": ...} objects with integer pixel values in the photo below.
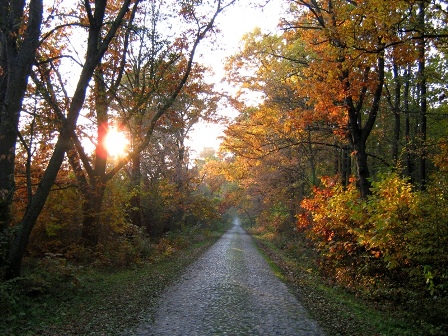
[
  {"x": 92, "y": 301},
  {"x": 338, "y": 311}
]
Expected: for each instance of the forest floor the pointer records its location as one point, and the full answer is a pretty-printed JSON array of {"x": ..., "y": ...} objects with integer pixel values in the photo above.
[{"x": 93, "y": 301}]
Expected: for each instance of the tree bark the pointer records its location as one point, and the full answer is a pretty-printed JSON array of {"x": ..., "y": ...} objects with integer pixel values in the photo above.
[
  {"x": 346, "y": 164},
  {"x": 92, "y": 190},
  {"x": 93, "y": 193},
  {"x": 407, "y": 128},
  {"x": 16, "y": 59},
  {"x": 93, "y": 198},
  {"x": 359, "y": 147},
  {"x": 135, "y": 212},
  {"x": 360, "y": 133},
  {"x": 396, "y": 113},
  {"x": 423, "y": 98},
  {"x": 20, "y": 240}
]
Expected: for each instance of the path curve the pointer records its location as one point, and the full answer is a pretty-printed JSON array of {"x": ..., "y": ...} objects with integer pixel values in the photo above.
[{"x": 229, "y": 290}]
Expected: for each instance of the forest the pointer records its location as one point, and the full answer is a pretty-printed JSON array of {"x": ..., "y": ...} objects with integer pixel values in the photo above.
[{"x": 338, "y": 154}]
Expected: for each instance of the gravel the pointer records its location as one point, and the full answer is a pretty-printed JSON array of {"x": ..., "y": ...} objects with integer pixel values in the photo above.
[{"x": 229, "y": 290}]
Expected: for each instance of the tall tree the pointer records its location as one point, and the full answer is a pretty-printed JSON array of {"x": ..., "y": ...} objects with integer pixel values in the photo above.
[
  {"x": 136, "y": 89},
  {"x": 20, "y": 25},
  {"x": 348, "y": 43},
  {"x": 422, "y": 130},
  {"x": 99, "y": 37},
  {"x": 156, "y": 94}
]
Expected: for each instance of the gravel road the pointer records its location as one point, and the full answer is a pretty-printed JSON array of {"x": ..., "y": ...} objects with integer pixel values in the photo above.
[{"x": 230, "y": 290}]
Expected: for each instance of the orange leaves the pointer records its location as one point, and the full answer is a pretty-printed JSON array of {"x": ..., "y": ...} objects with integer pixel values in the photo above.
[
  {"x": 394, "y": 229},
  {"x": 344, "y": 41}
]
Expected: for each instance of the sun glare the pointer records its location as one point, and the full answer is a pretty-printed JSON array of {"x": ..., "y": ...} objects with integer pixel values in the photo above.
[{"x": 116, "y": 142}]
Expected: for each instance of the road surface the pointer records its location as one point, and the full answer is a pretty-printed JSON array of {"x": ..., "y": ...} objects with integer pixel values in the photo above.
[{"x": 230, "y": 290}]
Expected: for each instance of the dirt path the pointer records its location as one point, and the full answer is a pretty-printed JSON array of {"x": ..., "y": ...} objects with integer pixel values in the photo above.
[{"x": 230, "y": 290}]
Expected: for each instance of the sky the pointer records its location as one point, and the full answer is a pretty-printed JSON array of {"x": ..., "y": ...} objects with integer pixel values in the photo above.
[{"x": 234, "y": 23}]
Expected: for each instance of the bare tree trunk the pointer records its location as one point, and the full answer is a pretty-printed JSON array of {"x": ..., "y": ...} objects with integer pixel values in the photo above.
[
  {"x": 92, "y": 191},
  {"x": 312, "y": 160},
  {"x": 407, "y": 129},
  {"x": 20, "y": 241},
  {"x": 360, "y": 133},
  {"x": 423, "y": 98},
  {"x": 135, "y": 212},
  {"x": 346, "y": 165},
  {"x": 93, "y": 198},
  {"x": 396, "y": 113},
  {"x": 16, "y": 58},
  {"x": 359, "y": 146}
]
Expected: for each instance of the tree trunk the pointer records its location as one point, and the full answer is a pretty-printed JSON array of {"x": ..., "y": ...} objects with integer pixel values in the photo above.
[
  {"x": 346, "y": 166},
  {"x": 359, "y": 146},
  {"x": 396, "y": 113},
  {"x": 423, "y": 98},
  {"x": 16, "y": 59},
  {"x": 312, "y": 160},
  {"x": 360, "y": 133},
  {"x": 95, "y": 52},
  {"x": 94, "y": 192},
  {"x": 135, "y": 212},
  {"x": 20, "y": 240},
  {"x": 91, "y": 215},
  {"x": 407, "y": 128}
]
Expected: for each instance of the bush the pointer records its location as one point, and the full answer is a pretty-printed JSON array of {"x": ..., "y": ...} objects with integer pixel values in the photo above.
[{"x": 397, "y": 237}]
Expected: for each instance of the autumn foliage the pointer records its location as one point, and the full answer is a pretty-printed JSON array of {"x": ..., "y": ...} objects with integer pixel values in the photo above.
[
  {"x": 392, "y": 236},
  {"x": 340, "y": 142},
  {"x": 86, "y": 68}
]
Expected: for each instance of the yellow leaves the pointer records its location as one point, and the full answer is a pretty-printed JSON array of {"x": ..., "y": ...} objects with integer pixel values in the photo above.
[
  {"x": 390, "y": 225},
  {"x": 393, "y": 195},
  {"x": 441, "y": 159}
]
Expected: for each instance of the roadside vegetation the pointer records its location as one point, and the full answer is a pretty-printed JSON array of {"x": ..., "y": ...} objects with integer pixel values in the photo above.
[
  {"x": 340, "y": 168},
  {"x": 58, "y": 297},
  {"x": 345, "y": 311}
]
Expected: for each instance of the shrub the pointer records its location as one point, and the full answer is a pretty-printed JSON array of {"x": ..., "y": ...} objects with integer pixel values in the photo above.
[
  {"x": 331, "y": 219},
  {"x": 396, "y": 237}
]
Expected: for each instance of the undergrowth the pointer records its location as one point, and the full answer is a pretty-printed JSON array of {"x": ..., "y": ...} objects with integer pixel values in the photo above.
[{"x": 57, "y": 297}]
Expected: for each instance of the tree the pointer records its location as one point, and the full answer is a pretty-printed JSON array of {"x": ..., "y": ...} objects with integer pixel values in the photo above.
[
  {"x": 106, "y": 79},
  {"x": 99, "y": 38},
  {"x": 19, "y": 40},
  {"x": 348, "y": 43},
  {"x": 105, "y": 26},
  {"x": 422, "y": 131}
]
